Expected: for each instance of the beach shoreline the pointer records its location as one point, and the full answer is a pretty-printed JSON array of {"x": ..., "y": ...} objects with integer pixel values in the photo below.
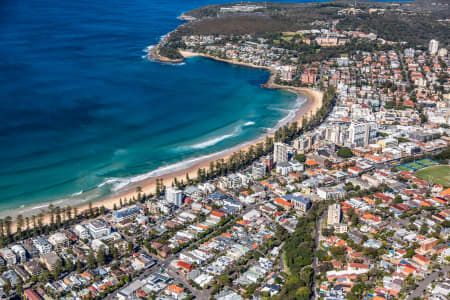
[{"x": 148, "y": 185}]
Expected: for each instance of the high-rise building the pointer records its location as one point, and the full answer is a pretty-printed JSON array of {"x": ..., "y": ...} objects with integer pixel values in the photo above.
[
  {"x": 20, "y": 252},
  {"x": 433, "y": 47},
  {"x": 334, "y": 214},
  {"x": 333, "y": 134},
  {"x": 174, "y": 196},
  {"x": 8, "y": 256},
  {"x": 442, "y": 52},
  {"x": 280, "y": 152},
  {"x": 286, "y": 73},
  {"x": 268, "y": 160},
  {"x": 42, "y": 245},
  {"x": 361, "y": 134},
  {"x": 409, "y": 53},
  {"x": 258, "y": 170},
  {"x": 98, "y": 228}
]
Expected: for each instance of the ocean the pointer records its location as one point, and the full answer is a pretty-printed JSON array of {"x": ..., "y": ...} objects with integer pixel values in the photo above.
[{"x": 83, "y": 114}]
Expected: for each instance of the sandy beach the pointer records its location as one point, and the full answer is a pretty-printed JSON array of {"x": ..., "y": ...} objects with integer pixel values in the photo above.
[{"x": 313, "y": 103}]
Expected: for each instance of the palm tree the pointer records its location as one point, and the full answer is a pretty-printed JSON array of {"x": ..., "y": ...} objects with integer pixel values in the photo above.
[{"x": 75, "y": 213}]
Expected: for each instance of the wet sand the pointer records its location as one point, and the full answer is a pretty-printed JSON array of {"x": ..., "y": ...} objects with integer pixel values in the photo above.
[{"x": 313, "y": 103}]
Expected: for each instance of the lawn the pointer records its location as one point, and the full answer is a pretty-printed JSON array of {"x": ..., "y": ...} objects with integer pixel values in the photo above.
[
  {"x": 427, "y": 162},
  {"x": 287, "y": 36},
  {"x": 437, "y": 175},
  {"x": 403, "y": 168},
  {"x": 414, "y": 165}
]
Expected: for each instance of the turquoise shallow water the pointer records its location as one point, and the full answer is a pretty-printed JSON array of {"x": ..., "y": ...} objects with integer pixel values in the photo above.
[{"x": 82, "y": 113}]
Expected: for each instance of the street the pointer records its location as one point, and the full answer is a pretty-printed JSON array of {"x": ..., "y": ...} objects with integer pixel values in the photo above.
[
  {"x": 164, "y": 265},
  {"x": 419, "y": 291},
  {"x": 315, "y": 261}
]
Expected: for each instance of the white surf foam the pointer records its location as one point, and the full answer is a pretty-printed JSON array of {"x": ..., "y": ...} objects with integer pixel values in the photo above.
[
  {"x": 148, "y": 48},
  {"x": 40, "y": 206},
  {"x": 211, "y": 142},
  {"x": 161, "y": 38},
  {"x": 77, "y": 193},
  {"x": 118, "y": 184},
  {"x": 120, "y": 152},
  {"x": 299, "y": 101}
]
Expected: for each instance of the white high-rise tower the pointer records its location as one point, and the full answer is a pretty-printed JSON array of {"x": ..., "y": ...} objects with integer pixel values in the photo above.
[
  {"x": 433, "y": 47},
  {"x": 280, "y": 153}
]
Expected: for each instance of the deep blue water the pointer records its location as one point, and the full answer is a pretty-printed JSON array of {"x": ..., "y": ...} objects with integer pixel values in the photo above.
[{"x": 79, "y": 106}]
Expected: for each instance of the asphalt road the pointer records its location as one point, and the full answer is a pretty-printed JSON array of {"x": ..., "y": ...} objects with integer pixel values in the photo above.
[
  {"x": 164, "y": 265},
  {"x": 315, "y": 261},
  {"x": 420, "y": 290}
]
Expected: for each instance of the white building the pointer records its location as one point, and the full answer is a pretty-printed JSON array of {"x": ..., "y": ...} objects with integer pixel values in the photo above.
[
  {"x": 280, "y": 152},
  {"x": 330, "y": 193},
  {"x": 98, "y": 229},
  {"x": 433, "y": 47},
  {"x": 283, "y": 168},
  {"x": 8, "y": 256},
  {"x": 258, "y": 170},
  {"x": 125, "y": 213},
  {"x": 409, "y": 53},
  {"x": 252, "y": 215},
  {"x": 206, "y": 188},
  {"x": 98, "y": 244},
  {"x": 59, "y": 240},
  {"x": 286, "y": 73},
  {"x": 81, "y": 231},
  {"x": 334, "y": 214},
  {"x": 361, "y": 134},
  {"x": 235, "y": 181},
  {"x": 42, "y": 245},
  {"x": 20, "y": 252},
  {"x": 333, "y": 134},
  {"x": 296, "y": 166},
  {"x": 174, "y": 196},
  {"x": 442, "y": 52}
]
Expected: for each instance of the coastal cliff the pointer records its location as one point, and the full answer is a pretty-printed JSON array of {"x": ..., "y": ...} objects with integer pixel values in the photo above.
[{"x": 156, "y": 54}]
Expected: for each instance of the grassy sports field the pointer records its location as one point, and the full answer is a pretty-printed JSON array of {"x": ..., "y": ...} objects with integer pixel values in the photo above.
[
  {"x": 414, "y": 165},
  {"x": 437, "y": 175},
  {"x": 427, "y": 162}
]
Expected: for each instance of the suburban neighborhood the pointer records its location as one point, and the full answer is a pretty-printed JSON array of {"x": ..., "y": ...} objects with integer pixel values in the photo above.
[{"x": 349, "y": 204}]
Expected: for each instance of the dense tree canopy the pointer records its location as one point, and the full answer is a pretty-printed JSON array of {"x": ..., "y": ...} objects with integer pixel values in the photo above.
[{"x": 345, "y": 152}]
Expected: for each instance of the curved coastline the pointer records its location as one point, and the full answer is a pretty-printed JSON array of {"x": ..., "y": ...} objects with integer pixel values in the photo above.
[{"x": 179, "y": 170}]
